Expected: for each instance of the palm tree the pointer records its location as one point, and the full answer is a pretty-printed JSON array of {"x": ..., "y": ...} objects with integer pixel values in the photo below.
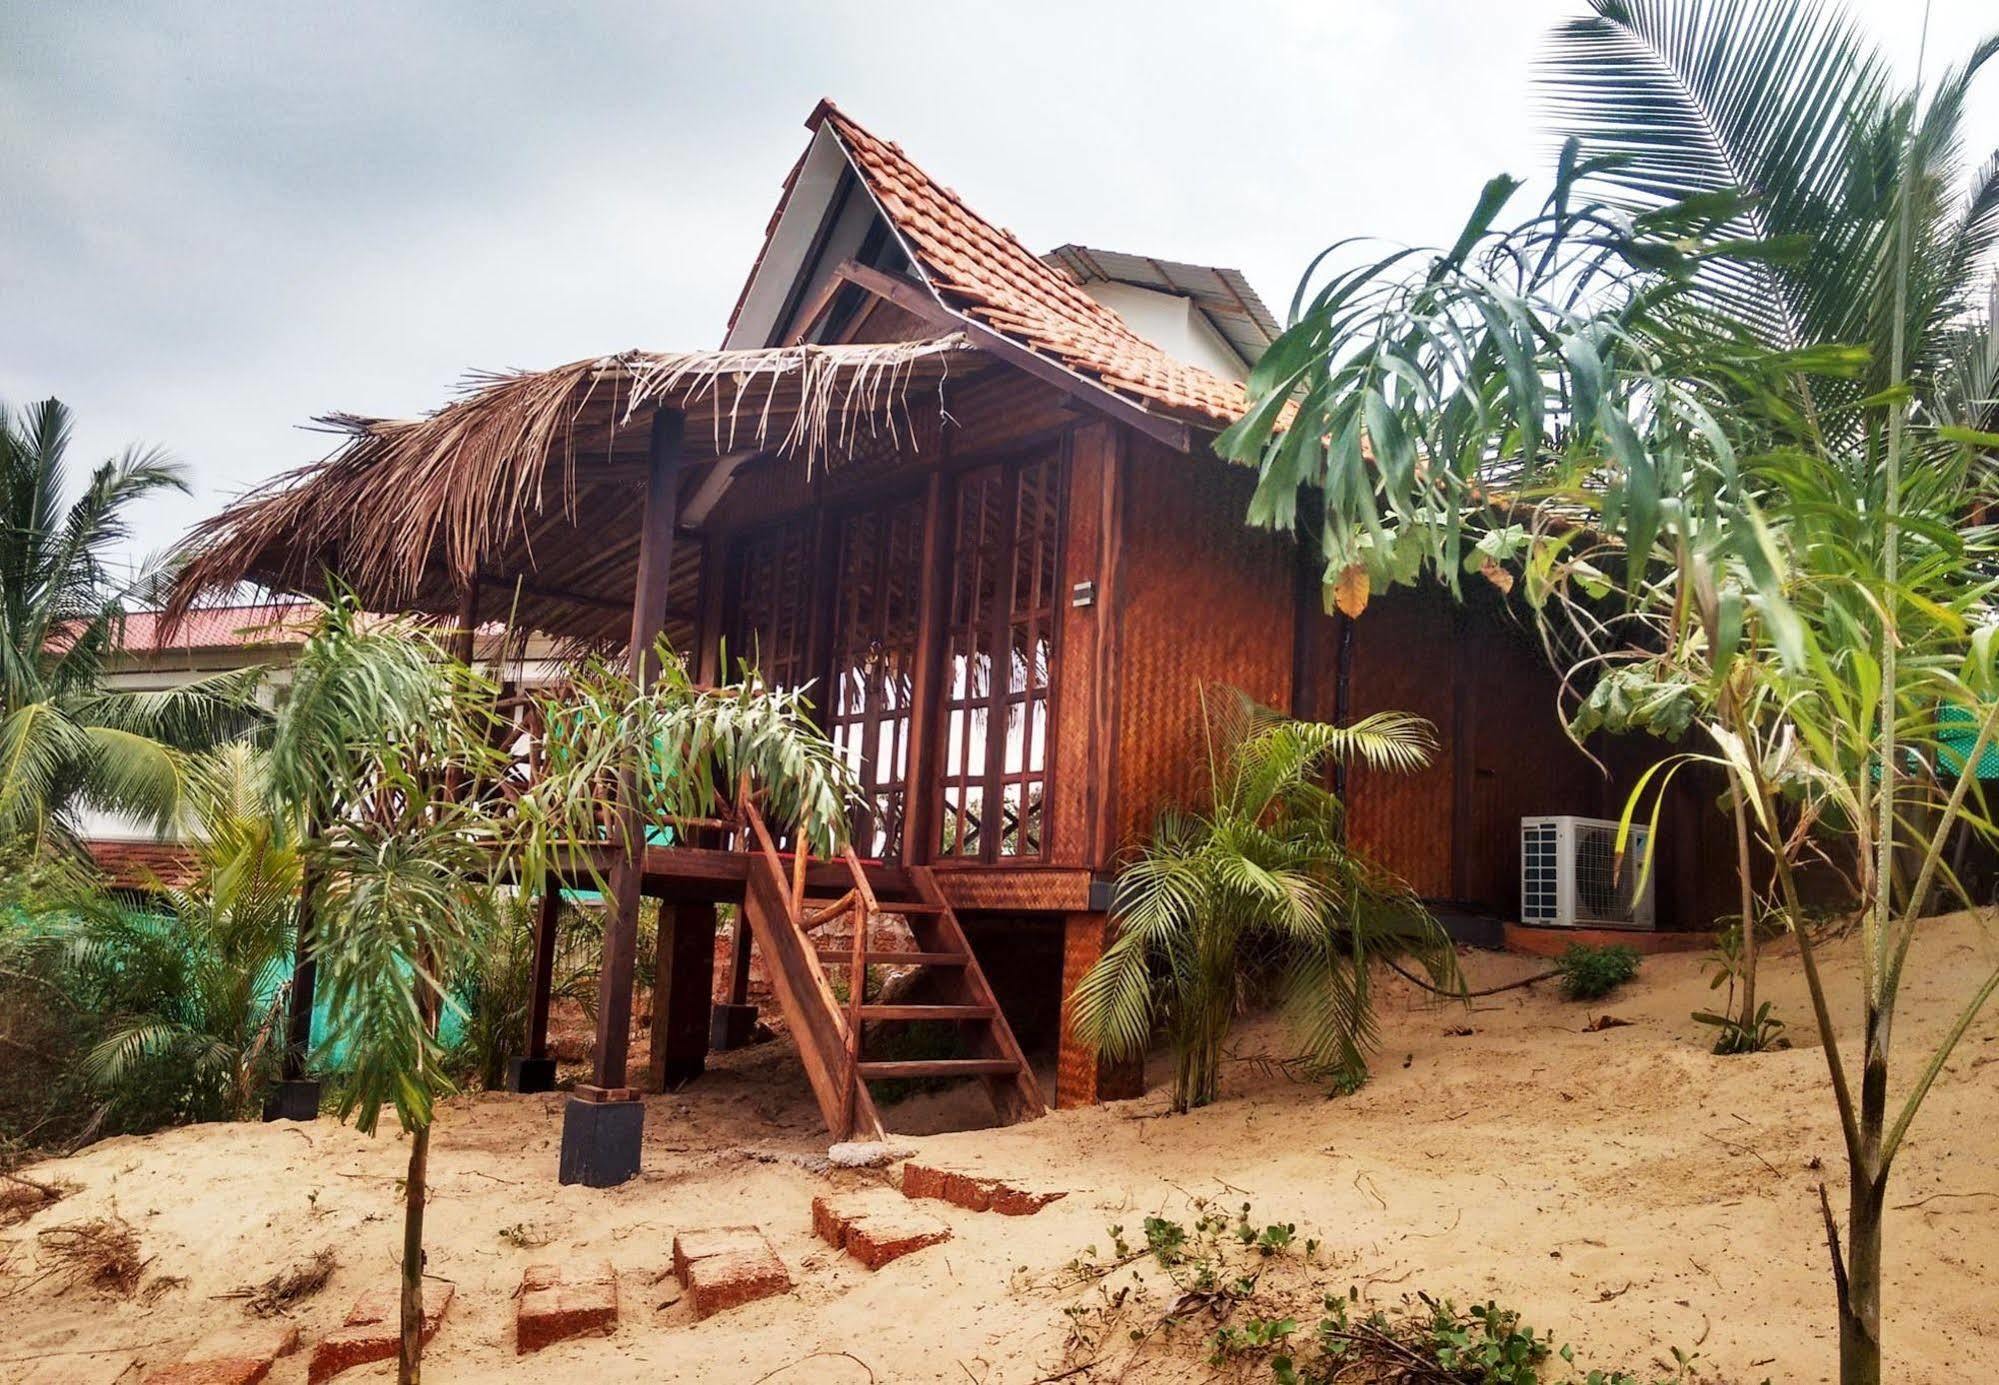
[
  {"x": 1788, "y": 103},
  {"x": 203, "y": 979},
  {"x": 66, "y": 741},
  {"x": 1257, "y": 883},
  {"x": 1791, "y": 104}
]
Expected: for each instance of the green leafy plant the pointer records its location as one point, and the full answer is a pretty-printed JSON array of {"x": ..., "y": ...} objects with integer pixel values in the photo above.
[
  {"x": 492, "y": 992},
  {"x": 66, "y": 740},
  {"x": 1738, "y": 1033},
  {"x": 399, "y": 905},
  {"x": 1257, "y": 880},
  {"x": 1243, "y": 1286},
  {"x": 1737, "y": 384},
  {"x": 1591, "y": 973}
]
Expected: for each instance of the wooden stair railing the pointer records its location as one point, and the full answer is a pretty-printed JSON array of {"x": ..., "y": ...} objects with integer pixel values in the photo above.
[{"x": 830, "y": 1031}]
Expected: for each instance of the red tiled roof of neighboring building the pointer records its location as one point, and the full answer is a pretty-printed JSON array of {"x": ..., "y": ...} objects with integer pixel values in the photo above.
[
  {"x": 142, "y": 865},
  {"x": 984, "y": 272},
  {"x": 272, "y": 625}
]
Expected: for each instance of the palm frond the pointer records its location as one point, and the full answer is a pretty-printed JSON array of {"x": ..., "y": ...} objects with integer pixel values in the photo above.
[
  {"x": 1759, "y": 97},
  {"x": 1259, "y": 875}
]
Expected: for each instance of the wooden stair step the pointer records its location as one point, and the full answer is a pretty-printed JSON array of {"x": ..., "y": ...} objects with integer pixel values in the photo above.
[
  {"x": 896, "y": 959},
  {"x": 926, "y": 1012},
  {"x": 813, "y": 903},
  {"x": 940, "y": 1067}
]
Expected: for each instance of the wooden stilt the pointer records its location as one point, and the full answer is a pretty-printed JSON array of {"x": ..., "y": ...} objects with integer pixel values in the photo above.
[
  {"x": 541, "y": 976},
  {"x": 614, "y": 988},
  {"x": 739, "y": 961},
  {"x": 298, "y": 1020},
  {"x": 733, "y": 1022},
  {"x": 683, "y": 993}
]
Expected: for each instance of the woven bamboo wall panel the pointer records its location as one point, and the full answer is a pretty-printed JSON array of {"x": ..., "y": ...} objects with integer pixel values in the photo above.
[
  {"x": 1206, "y": 600},
  {"x": 1002, "y": 407},
  {"x": 1401, "y": 662},
  {"x": 1523, "y": 762}
]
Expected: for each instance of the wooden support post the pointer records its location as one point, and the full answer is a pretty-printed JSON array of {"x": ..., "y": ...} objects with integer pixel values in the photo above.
[
  {"x": 683, "y": 991},
  {"x": 541, "y": 978},
  {"x": 709, "y": 609},
  {"x": 920, "y": 793},
  {"x": 305, "y": 969},
  {"x": 739, "y": 961},
  {"x": 614, "y": 987},
  {"x": 1083, "y": 1078},
  {"x": 733, "y": 1023},
  {"x": 295, "y": 1097},
  {"x": 534, "y": 1070},
  {"x": 466, "y": 627}
]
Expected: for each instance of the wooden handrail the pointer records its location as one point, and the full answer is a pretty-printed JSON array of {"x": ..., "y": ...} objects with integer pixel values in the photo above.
[
  {"x": 828, "y": 913},
  {"x": 865, "y": 908}
]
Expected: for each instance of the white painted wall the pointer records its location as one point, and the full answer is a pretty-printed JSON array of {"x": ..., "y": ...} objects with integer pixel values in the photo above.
[
  {"x": 538, "y": 669},
  {"x": 1171, "y": 323}
]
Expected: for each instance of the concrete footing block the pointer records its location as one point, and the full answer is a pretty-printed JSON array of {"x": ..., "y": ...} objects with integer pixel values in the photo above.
[{"x": 601, "y": 1138}]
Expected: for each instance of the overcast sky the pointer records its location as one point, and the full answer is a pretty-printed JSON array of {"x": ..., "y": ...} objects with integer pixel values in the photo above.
[{"x": 221, "y": 219}]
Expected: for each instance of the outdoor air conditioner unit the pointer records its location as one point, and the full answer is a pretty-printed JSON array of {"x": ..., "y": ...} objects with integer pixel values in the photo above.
[{"x": 1570, "y": 876}]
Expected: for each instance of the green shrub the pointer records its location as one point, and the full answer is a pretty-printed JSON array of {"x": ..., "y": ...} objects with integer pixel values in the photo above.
[{"x": 1590, "y": 973}]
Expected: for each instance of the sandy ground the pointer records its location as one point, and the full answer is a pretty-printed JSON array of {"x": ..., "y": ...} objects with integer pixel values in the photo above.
[{"x": 1623, "y": 1187}]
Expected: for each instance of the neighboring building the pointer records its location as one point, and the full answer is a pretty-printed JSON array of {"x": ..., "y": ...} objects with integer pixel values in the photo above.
[
  {"x": 972, "y": 499},
  {"x": 211, "y": 640},
  {"x": 152, "y": 656}
]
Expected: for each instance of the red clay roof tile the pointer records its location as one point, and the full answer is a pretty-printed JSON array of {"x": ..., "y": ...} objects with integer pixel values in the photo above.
[{"x": 987, "y": 274}]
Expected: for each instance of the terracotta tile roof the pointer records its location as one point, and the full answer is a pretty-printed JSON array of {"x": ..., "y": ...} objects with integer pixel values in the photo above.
[
  {"x": 143, "y": 865},
  {"x": 987, "y": 274},
  {"x": 220, "y": 627}
]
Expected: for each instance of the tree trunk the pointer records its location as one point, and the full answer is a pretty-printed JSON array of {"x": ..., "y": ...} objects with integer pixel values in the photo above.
[
  {"x": 409, "y": 1351},
  {"x": 1745, "y": 867},
  {"x": 1860, "y": 1298},
  {"x": 1745, "y": 870},
  {"x": 1198, "y": 1063},
  {"x": 409, "y": 1354},
  {"x": 1867, "y": 1195}
]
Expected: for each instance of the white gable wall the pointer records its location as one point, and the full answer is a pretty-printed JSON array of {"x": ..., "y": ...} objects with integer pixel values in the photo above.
[
  {"x": 1173, "y": 324},
  {"x": 791, "y": 241}
]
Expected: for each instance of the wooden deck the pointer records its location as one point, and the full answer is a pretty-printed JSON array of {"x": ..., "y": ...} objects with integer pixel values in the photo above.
[{"x": 719, "y": 875}]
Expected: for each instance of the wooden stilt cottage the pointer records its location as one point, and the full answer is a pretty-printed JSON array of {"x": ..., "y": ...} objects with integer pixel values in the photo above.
[{"x": 967, "y": 493}]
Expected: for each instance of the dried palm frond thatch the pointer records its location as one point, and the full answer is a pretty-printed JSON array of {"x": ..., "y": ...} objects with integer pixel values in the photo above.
[{"x": 402, "y": 501}]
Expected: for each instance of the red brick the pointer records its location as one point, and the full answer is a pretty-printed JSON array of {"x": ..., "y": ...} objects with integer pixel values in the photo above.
[
  {"x": 552, "y": 1306},
  {"x": 972, "y": 1192},
  {"x": 727, "y": 1266},
  {"x": 224, "y": 1371},
  {"x": 921, "y": 1180},
  {"x": 374, "y": 1330},
  {"x": 873, "y": 1230},
  {"x": 829, "y": 1221},
  {"x": 1010, "y": 1201},
  {"x": 241, "y": 1355}
]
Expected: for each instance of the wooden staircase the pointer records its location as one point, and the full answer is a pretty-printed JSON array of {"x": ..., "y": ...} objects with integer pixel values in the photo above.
[{"x": 830, "y": 1031}]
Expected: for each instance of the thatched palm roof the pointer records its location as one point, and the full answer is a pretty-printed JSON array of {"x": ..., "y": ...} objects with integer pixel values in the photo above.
[{"x": 533, "y": 480}]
